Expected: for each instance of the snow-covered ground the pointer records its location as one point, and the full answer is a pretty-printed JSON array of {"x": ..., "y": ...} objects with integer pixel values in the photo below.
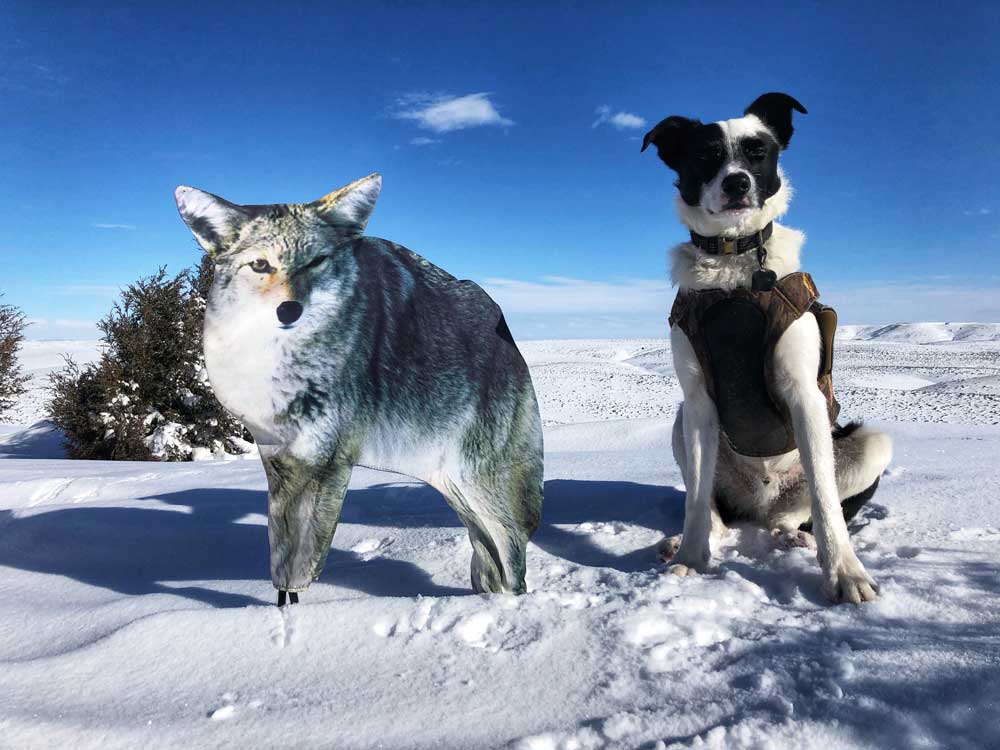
[{"x": 137, "y": 607}]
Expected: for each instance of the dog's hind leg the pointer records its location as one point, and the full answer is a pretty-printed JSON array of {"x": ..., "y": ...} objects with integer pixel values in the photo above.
[
  {"x": 501, "y": 514},
  {"x": 861, "y": 455}
]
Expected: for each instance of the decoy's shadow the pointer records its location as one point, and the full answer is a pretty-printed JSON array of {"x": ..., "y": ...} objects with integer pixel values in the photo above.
[{"x": 144, "y": 550}]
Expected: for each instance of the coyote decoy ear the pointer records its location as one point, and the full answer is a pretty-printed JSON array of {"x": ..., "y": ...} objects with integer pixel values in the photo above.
[
  {"x": 348, "y": 208},
  {"x": 214, "y": 222},
  {"x": 670, "y": 138},
  {"x": 775, "y": 111}
]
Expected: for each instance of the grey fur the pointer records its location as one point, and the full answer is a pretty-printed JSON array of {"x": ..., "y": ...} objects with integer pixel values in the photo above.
[
  {"x": 773, "y": 492},
  {"x": 394, "y": 364}
]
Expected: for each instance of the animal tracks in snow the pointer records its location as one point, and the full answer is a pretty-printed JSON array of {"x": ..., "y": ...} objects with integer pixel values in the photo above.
[
  {"x": 283, "y": 633},
  {"x": 678, "y": 625},
  {"x": 230, "y": 707},
  {"x": 483, "y": 628},
  {"x": 369, "y": 548},
  {"x": 491, "y": 623}
]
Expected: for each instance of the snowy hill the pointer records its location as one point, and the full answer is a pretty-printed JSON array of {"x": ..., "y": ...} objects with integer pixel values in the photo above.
[
  {"x": 38, "y": 359},
  {"x": 922, "y": 333},
  {"x": 138, "y": 611}
]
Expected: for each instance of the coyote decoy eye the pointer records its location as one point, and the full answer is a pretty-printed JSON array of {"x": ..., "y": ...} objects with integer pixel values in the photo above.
[{"x": 261, "y": 266}]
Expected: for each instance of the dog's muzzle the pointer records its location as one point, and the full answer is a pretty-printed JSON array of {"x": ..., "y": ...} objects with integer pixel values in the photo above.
[{"x": 289, "y": 312}]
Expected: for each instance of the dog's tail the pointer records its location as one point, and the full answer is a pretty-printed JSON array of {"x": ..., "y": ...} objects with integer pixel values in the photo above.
[{"x": 841, "y": 431}]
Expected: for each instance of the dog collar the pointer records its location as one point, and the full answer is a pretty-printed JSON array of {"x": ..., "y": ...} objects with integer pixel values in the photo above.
[{"x": 720, "y": 245}]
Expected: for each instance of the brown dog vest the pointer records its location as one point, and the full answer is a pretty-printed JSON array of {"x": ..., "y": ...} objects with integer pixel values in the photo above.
[{"x": 733, "y": 334}]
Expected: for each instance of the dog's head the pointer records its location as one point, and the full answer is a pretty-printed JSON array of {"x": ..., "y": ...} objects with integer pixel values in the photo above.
[
  {"x": 276, "y": 254},
  {"x": 728, "y": 177}
]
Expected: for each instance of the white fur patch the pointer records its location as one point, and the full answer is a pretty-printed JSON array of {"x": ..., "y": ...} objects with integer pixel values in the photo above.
[
  {"x": 194, "y": 205},
  {"x": 234, "y": 337},
  {"x": 693, "y": 268},
  {"x": 741, "y": 127}
]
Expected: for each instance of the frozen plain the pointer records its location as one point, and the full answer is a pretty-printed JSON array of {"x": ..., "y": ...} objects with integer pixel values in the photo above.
[{"x": 138, "y": 611}]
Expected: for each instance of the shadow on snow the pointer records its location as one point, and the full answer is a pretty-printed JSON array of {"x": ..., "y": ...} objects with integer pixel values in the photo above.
[{"x": 158, "y": 550}]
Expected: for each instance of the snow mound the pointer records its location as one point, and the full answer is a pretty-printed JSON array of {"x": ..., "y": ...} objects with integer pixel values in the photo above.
[
  {"x": 38, "y": 359},
  {"x": 988, "y": 384},
  {"x": 41, "y": 440},
  {"x": 922, "y": 333}
]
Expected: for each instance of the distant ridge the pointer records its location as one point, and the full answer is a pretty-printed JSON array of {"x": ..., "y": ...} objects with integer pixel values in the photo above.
[{"x": 922, "y": 333}]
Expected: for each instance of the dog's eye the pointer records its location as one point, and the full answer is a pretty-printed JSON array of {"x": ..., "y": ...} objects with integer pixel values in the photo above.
[
  {"x": 754, "y": 149},
  {"x": 260, "y": 265}
]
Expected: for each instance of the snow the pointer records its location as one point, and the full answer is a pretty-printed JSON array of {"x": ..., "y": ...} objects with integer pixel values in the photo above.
[
  {"x": 38, "y": 359},
  {"x": 923, "y": 333},
  {"x": 138, "y": 611}
]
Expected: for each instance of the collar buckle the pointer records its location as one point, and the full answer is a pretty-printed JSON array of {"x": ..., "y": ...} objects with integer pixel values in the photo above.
[{"x": 727, "y": 245}]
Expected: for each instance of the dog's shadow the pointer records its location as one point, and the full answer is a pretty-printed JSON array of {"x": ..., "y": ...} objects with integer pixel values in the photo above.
[
  {"x": 568, "y": 503},
  {"x": 207, "y": 538}
]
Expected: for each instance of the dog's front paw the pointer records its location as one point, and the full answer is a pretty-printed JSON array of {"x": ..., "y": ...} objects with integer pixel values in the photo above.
[
  {"x": 793, "y": 539},
  {"x": 682, "y": 570},
  {"x": 687, "y": 564},
  {"x": 850, "y": 582}
]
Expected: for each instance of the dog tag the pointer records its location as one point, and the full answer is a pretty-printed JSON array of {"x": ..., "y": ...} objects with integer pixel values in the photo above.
[{"x": 763, "y": 280}]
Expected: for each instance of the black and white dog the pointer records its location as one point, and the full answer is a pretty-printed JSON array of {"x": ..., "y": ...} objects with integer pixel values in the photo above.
[{"x": 730, "y": 191}]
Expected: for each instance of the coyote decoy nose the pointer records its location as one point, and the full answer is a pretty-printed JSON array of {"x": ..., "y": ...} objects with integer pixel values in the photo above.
[
  {"x": 289, "y": 312},
  {"x": 377, "y": 358}
]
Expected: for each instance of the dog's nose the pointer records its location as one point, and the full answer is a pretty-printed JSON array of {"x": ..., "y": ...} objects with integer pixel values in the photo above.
[
  {"x": 736, "y": 185},
  {"x": 289, "y": 312}
]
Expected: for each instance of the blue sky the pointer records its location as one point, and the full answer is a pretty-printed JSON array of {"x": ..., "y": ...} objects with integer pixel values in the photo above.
[{"x": 507, "y": 136}]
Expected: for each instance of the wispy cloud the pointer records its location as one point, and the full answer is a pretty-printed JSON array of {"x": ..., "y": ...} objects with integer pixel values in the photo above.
[
  {"x": 21, "y": 72},
  {"x": 619, "y": 120},
  {"x": 423, "y": 140},
  {"x": 563, "y": 295},
  {"x": 442, "y": 113},
  {"x": 978, "y": 212},
  {"x": 947, "y": 299},
  {"x": 61, "y": 328},
  {"x": 103, "y": 225},
  {"x": 564, "y": 307}
]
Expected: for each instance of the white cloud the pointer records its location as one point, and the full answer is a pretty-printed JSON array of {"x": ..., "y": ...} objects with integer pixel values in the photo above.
[
  {"x": 623, "y": 120},
  {"x": 422, "y": 140},
  {"x": 102, "y": 225},
  {"x": 619, "y": 120},
  {"x": 978, "y": 212},
  {"x": 442, "y": 114}
]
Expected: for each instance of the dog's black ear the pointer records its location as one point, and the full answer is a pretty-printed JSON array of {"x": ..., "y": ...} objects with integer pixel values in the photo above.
[
  {"x": 775, "y": 111},
  {"x": 670, "y": 138}
]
